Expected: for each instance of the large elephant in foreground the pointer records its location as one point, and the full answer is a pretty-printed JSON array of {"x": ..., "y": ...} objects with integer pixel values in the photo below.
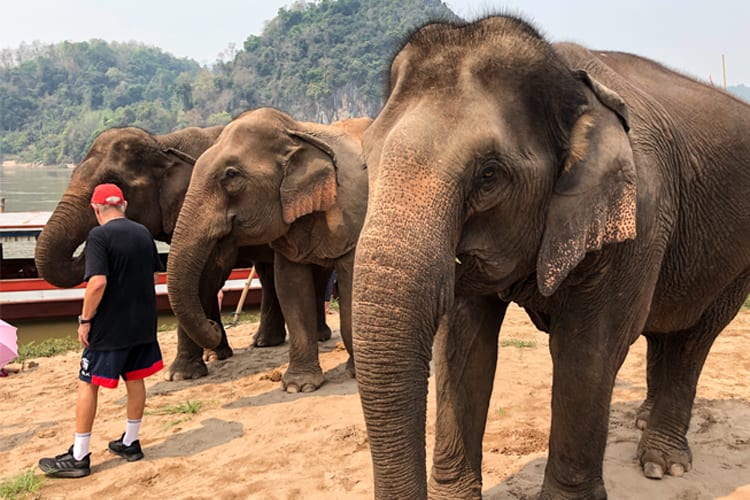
[
  {"x": 153, "y": 172},
  {"x": 604, "y": 193},
  {"x": 302, "y": 187}
]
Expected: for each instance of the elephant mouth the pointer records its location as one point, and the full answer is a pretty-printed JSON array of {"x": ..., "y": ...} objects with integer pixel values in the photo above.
[{"x": 477, "y": 275}]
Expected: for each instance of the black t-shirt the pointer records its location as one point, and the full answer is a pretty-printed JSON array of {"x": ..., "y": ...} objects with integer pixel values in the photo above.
[{"x": 125, "y": 253}]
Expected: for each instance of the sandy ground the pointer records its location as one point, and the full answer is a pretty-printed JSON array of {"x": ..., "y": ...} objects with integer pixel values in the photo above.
[{"x": 251, "y": 440}]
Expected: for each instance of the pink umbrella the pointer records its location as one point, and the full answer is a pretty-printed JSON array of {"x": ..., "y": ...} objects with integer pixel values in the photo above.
[{"x": 8, "y": 343}]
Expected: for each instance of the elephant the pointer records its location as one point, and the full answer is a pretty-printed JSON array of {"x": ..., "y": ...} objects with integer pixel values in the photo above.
[
  {"x": 600, "y": 191},
  {"x": 300, "y": 187},
  {"x": 153, "y": 172}
]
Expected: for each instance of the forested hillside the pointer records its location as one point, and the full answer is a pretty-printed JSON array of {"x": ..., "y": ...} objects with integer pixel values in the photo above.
[
  {"x": 318, "y": 61},
  {"x": 322, "y": 61}
]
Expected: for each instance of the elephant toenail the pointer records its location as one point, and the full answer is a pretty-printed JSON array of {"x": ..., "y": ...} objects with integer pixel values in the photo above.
[
  {"x": 653, "y": 471},
  {"x": 292, "y": 388},
  {"x": 677, "y": 470}
]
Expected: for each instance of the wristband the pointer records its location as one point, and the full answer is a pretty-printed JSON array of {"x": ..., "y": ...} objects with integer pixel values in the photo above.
[{"x": 82, "y": 321}]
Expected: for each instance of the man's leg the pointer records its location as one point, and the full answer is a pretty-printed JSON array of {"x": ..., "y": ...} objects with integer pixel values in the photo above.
[
  {"x": 136, "y": 398},
  {"x": 88, "y": 396},
  {"x": 136, "y": 404}
]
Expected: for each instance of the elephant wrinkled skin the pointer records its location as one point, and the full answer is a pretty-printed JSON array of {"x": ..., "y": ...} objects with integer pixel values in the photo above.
[
  {"x": 153, "y": 171},
  {"x": 302, "y": 188},
  {"x": 604, "y": 193}
]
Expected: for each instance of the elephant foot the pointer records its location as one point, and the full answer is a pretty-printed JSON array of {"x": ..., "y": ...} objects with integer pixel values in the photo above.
[
  {"x": 308, "y": 381},
  {"x": 324, "y": 333},
  {"x": 350, "y": 370},
  {"x": 267, "y": 337},
  {"x": 595, "y": 491},
  {"x": 217, "y": 354},
  {"x": 186, "y": 369},
  {"x": 453, "y": 485},
  {"x": 661, "y": 454},
  {"x": 641, "y": 416}
]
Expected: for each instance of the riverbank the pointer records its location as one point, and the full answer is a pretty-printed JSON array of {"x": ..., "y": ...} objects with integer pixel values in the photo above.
[{"x": 248, "y": 439}]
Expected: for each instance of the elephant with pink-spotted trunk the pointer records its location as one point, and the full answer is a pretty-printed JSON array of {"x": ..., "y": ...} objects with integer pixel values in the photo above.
[
  {"x": 601, "y": 191},
  {"x": 300, "y": 187}
]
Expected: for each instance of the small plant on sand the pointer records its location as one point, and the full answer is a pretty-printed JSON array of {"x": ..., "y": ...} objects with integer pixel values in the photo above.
[
  {"x": 747, "y": 303},
  {"x": 188, "y": 408},
  {"x": 335, "y": 304},
  {"x": 167, "y": 327},
  {"x": 23, "y": 485},
  {"x": 228, "y": 319},
  {"x": 517, "y": 343},
  {"x": 47, "y": 348}
]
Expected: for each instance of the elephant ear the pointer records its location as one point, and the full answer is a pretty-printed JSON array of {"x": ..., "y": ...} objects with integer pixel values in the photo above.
[
  {"x": 309, "y": 182},
  {"x": 173, "y": 185},
  {"x": 594, "y": 198}
]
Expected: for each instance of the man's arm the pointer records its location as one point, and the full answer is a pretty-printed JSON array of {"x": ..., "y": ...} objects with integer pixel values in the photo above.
[{"x": 91, "y": 299}]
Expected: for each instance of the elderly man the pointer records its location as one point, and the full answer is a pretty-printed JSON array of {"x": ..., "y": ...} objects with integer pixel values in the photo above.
[{"x": 117, "y": 328}]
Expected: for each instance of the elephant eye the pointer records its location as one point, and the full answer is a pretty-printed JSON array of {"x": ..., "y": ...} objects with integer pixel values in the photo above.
[
  {"x": 231, "y": 173},
  {"x": 488, "y": 174}
]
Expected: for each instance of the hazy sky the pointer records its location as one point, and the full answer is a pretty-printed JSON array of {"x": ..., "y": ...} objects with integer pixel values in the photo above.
[{"x": 688, "y": 35}]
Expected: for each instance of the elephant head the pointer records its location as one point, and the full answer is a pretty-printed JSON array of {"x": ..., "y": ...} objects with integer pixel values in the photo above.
[
  {"x": 492, "y": 166},
  {"x": 153, "y": 172},
  {"x": 264, "y": 172}
]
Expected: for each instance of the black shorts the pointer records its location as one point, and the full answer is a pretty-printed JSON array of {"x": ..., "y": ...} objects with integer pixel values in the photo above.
[{"x": 105, "y": 368}]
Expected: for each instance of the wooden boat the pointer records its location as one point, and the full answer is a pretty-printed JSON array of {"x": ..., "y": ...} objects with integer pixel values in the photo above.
[{"x": 24, "y": 295}]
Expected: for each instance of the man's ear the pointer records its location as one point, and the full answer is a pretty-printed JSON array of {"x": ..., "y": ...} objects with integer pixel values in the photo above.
[{"x": 594, "y": 199}]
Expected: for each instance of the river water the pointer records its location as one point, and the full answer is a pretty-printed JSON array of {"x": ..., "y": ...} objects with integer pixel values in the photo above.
[{"x": 26, "y": 189}]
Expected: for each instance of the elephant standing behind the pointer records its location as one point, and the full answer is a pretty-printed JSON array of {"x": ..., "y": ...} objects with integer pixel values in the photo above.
[
  {"x": 153, "y": 171},
  {"x": 604, "y": 193},
  {"x": 302, "y": 187}
]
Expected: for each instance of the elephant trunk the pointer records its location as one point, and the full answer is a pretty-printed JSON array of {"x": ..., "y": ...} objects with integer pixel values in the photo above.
[
  {"x": 65, "y": 231},
  {"x": 189, "y": 252},
  {"x": 403, "y": 284}
]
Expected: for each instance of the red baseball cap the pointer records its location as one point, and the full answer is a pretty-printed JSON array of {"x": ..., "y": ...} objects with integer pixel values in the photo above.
[{"x": 107, "y": 194}]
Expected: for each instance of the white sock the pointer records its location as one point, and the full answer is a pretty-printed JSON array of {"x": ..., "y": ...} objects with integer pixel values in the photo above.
[
  {"x": 81, "y": 445},
  {"x": 131, "y": 432}
]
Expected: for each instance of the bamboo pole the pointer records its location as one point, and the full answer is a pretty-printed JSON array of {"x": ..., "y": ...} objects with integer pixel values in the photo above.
[
  {"x": 241, "y": 303},
  {"x": 724, "y": 70}
]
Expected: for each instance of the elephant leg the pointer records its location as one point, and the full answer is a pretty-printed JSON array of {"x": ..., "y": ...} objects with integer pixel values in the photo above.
[
  {"x": 344, "y": 271},
  {"x": 188, "y": 363},
  {"x": 295, "y": 286},
  {"x": 272, "y": 330},
  {"x": 223, "y": 350},
  {"x": 653, "y": 381},
  {"x": 586, "y": 359},
  {"x": 321, "y": 275},
  {"x": 664, "y": 446},
  {"x": 465, "y": 361},
  {"x": 216, "y": 273},
  {"x": 190, "y": 360}
]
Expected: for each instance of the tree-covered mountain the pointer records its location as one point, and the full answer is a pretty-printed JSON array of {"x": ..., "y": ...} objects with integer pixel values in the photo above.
[
  {"x": 54, "y": 99},
  {"x": 321, "y": 60}
]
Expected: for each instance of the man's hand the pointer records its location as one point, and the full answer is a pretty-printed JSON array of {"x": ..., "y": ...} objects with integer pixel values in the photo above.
[{"x": 83, "y": 333}]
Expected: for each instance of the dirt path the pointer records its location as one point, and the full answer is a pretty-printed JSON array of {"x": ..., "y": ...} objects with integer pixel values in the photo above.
[{"x": 251, "y": 440}]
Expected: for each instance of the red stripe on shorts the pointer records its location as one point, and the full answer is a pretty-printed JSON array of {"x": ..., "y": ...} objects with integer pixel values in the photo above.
[
  {"x": 104, "y": 381},
  {"x": 145, "y": 372}
]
